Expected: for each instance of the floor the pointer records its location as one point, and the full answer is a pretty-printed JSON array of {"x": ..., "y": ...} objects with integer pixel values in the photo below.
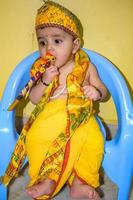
[{"x": 17, "y": 189}]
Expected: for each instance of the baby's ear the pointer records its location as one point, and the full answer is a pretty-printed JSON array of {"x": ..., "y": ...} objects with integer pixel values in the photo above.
[{"x": 76, "y": 45}]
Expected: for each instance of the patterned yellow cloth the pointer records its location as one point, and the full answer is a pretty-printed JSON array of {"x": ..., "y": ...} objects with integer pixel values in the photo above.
[
  {"x": 78, "y": 109},
  {"x": 53, "y": 14}
]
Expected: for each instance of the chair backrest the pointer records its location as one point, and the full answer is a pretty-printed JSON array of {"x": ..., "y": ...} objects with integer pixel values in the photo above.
[{"x": 108, "y": 73}]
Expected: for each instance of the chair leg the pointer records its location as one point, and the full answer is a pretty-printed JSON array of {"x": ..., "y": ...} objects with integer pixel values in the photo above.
[
  {"x": 123, "y": 194},
  {"x": 124, "y": 188},
  {"x": 3, "y": 192}
]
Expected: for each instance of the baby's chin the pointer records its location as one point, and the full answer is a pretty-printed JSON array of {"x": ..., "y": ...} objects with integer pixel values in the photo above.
[{"x": 59, "y": 68}]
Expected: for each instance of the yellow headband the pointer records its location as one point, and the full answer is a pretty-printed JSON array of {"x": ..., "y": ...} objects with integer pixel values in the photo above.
[{"x": 52, "y": 14}]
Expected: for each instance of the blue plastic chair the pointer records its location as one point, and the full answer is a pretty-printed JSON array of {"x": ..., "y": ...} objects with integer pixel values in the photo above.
[{"x": 118, "y": 158}]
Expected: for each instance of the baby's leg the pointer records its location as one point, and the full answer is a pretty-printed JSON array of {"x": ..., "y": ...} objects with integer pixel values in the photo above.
[
  {"x": 45, "y": 187},
  {"x": 81, "y": 190},
  {"x": 38, "y": 141},
  {"x": 86, "y": 170}
]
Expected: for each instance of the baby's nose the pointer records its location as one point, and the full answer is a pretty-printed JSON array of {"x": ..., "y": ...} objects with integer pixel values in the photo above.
[{"x": 50, "y": 47}]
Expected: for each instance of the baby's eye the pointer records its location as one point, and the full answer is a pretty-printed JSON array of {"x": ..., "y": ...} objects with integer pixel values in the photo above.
[
  {"x": 42, "y": 43},
  {"x": 58, "y": 41}
]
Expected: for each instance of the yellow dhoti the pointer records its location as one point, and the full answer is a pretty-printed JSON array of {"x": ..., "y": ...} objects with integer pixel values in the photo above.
[{"x": 85, "y": 149}]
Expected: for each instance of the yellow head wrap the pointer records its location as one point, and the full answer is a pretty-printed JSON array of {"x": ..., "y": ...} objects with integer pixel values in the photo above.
[{"x": 52, "y": 14}]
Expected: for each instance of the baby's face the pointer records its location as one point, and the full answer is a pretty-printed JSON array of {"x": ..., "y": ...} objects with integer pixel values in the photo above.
[{"x": 57, "y": 42}]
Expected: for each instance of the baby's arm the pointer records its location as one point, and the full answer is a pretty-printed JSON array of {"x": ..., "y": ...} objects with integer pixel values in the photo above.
[
  {"x": 95, "y": 89},
  {"x": 38, "y": 90}
]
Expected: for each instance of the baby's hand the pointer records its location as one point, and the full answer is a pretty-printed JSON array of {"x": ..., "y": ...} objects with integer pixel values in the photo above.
[
  {"x": 50, "y": 74},
  {"x": 91, "y": 92}
]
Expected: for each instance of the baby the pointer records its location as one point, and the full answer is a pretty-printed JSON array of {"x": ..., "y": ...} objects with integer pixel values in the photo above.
[{"x": 64, "y": 143}]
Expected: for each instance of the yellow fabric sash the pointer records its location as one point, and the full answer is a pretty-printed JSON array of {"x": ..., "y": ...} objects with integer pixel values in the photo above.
[{"x": 78, "y": 109}]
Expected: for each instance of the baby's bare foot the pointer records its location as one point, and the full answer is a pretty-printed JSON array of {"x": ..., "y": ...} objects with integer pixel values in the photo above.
[
  {"x": 45, "y": 187},
  {"x": 81, "y": 190},
  {"x": 84, "y": 191}
]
